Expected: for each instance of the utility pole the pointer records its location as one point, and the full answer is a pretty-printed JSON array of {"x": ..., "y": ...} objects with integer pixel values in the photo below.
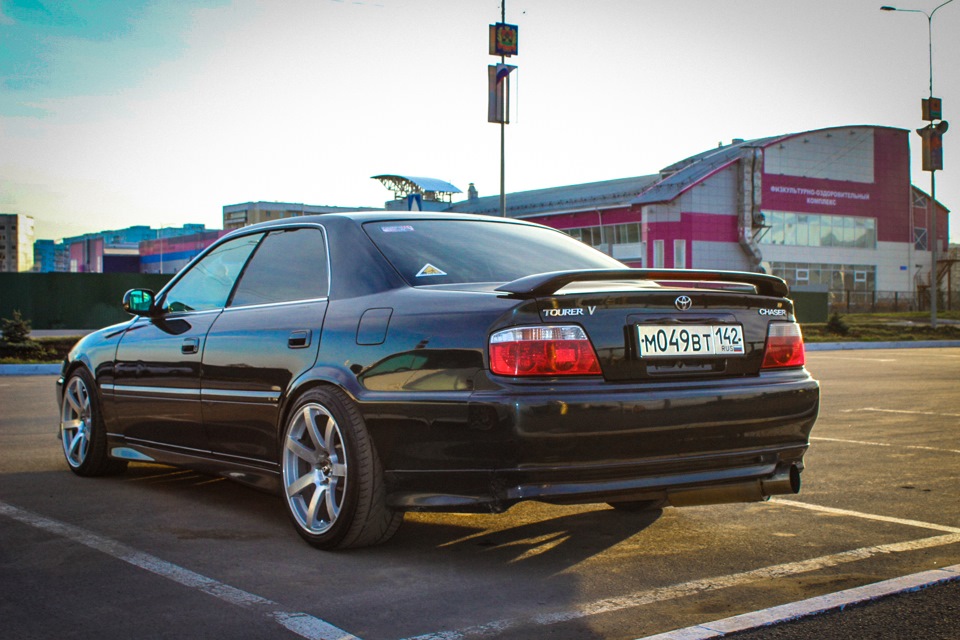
[
  {"x": 932, "y": 135},
  {"x": 503, "y": 126},
  {"x": 503, "y": 43}
]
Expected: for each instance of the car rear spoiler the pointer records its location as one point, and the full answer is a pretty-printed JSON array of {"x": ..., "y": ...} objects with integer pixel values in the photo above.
[{"x": 545, "y": 284}]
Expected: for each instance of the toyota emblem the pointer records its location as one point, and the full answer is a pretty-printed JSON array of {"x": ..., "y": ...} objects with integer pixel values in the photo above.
[{"x": 683, "y": 303}]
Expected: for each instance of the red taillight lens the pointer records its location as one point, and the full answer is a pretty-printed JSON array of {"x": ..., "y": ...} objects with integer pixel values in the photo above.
[
  {"x": 542, "y": 351},
  {"x": 784, "y": 346}
]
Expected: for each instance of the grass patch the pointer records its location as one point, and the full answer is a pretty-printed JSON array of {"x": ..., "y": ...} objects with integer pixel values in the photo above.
[{"x": 906, "y": 326}]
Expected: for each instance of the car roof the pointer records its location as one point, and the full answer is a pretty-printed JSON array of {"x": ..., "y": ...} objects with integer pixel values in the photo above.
[{"x": 361, "y": 217}]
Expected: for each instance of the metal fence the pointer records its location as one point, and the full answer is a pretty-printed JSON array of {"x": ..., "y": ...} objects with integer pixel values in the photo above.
[
  {"x": 71, "y": 300},
  {"x": 874, "y": 301}
]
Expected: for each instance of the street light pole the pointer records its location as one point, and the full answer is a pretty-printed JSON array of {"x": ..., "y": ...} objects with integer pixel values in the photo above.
[{"x": 934, "y": 285}]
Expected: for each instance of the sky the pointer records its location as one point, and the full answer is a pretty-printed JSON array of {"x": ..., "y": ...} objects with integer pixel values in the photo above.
[{"x": 116, "y": 113}]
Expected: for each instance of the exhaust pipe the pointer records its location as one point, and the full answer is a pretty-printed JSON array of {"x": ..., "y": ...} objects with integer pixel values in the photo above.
[{"x": 784, "y": 480}]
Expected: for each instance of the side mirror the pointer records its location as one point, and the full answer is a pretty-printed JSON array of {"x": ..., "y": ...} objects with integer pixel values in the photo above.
[{"x": 138, "y": 302}]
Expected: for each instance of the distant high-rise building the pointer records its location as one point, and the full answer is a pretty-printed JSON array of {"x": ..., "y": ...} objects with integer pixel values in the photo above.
[
  {"x": 16, "y": 242},
  {"x": 236, "y": 216},
  {"x": 116, "y": 250},
  {"x": 44, "y": 256},
  {"x": 169, "y": 255}
]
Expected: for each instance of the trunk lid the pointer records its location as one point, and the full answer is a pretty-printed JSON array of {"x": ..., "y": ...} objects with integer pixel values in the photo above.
[{"x": 664, "y": 325}]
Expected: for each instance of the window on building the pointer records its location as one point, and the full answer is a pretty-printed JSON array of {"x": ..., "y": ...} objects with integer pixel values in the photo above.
[
  {"x": 586, "y": 235},
  {"x": 803, "y": 230},
  {"x": 611, "y": 234},
  {"x": 811, "y": 230},
  {"x": 920, "y": 238},
  {"x": 658, "y": 254},
  {"x": 837, "y": 277},
  {"x": 679, "y": 254},
  {"x": 628, "y": 233},
  {"x": 592, "y": 236}
]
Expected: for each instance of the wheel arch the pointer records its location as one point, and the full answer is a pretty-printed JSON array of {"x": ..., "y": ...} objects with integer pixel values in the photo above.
[{"x": 314, "y": 379}]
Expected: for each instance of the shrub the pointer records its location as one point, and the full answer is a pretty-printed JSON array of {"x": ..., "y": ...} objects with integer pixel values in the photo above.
[
  {"x": 15, "y": 330},
  {"x": 16, "y": 344},
  {"x": 58, "y": 346},
  {"x": 30, "y": 351},
  {"x": 836, "y": 324}
]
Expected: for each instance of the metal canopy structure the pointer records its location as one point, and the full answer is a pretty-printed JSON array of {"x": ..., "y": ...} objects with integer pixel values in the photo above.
[{"x": 431, "y": 189}]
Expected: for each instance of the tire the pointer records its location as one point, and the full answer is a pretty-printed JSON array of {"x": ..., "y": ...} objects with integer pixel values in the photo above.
[
  {"x": 638, "y": 506},
  {"x": 82, "y": 432},
  {"x": 331, "y": 476}
]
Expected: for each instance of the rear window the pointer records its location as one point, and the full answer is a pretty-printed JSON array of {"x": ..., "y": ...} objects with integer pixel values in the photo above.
[{"x": 429, "y": 252}]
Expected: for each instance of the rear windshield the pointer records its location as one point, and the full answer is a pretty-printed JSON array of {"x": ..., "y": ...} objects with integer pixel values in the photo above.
[{"x": 427, "y": 252}]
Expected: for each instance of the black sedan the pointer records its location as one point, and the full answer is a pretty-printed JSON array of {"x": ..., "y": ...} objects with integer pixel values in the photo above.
[{"x": 363, "y": 365}]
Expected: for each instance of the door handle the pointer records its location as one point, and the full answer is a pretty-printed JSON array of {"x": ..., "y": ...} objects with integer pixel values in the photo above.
[
  {"x": 190, "y": 346},
  {"x": 300, "y": 339}
]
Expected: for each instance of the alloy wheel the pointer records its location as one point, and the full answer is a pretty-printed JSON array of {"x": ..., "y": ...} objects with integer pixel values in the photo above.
[
  {"x": 76, "y": 421},
  {"x": 314, "y": 468}
]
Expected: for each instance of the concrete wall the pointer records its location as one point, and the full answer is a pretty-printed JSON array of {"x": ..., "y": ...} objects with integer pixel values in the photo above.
[{"x": 71, "y": 300}]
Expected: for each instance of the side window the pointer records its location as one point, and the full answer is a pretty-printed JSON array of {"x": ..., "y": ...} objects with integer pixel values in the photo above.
[
  {"x": 208, "y": 283},
  {"x": 289, "y": 265}
]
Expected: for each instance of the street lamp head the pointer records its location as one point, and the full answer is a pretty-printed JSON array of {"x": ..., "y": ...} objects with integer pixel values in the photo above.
[{"x": 886, "y": 8}]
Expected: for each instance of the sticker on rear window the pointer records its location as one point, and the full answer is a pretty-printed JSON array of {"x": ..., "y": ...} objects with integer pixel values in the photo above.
[
  {"x": 430, "y": 270},
  {"x": 397, "y": 228}
]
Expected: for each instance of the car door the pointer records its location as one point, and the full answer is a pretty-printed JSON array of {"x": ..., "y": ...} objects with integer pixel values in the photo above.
[
  {"x": 267, "y": 336},
  {"x": 156, "y": 389}
]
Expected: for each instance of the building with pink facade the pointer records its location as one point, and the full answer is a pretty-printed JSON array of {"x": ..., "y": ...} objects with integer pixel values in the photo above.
[
  {"x": 830, "y": 210},
  {"x": 170, "y": 254}
]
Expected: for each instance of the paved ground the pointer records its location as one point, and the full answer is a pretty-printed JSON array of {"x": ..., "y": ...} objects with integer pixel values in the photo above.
[
  {"x": 161, "y": 553},
  {"x": 931, "y": 614}
]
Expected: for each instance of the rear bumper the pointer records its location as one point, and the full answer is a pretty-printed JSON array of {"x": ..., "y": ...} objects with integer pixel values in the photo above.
[
  {"x": 495, "y": 491},
  {"x": 723, "y": 441}
]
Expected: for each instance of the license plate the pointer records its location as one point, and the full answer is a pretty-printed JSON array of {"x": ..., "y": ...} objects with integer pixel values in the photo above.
[{"x": 690, "y": 340}]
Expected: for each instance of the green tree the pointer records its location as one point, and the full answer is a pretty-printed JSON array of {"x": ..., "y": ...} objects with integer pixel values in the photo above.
[
  {"x": 836, "y": 324},
  {"x": 15, "y": 330}
]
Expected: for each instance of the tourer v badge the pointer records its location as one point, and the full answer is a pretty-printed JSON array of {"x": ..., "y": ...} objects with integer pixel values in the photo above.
[{"x": 559, "y": 313}]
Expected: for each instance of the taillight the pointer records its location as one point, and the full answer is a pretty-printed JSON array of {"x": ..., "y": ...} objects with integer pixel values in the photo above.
[
  {"x": 784, "y": 346},
  {"x": 542, "y": 351}
]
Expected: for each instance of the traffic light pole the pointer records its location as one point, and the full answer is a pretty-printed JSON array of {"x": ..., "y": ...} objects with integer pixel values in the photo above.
[
  {"x": 934, "y": 280},
  {"x": 933, "y": 158},
  {"x": 503, "y": 132}
]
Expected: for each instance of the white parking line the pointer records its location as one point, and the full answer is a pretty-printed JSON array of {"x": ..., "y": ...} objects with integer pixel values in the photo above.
[
  {"x": 812, "y": 606},
  {"x": 908, "y": 412},
  {"x": 302, "y": 624},
  {"x": 866, "y": 516},
  {"x": 886, "y": 444},
  {"x": 864, "y": 359},
  {"x": 641, "y": 598},
  {"x": 313, "y": 628}
]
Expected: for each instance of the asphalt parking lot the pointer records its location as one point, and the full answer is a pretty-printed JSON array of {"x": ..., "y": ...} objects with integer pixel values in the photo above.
[{"x": 159, "y": 552}]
